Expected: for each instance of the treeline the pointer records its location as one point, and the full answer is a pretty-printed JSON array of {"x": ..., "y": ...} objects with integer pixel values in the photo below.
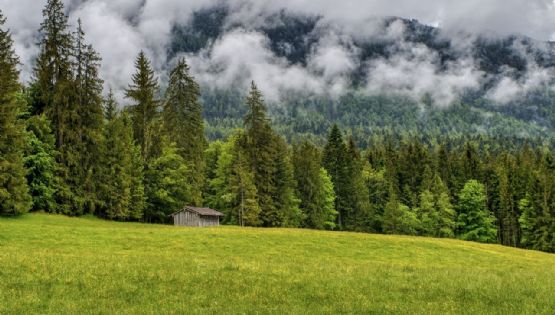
[{"x": 65, "y": 149}]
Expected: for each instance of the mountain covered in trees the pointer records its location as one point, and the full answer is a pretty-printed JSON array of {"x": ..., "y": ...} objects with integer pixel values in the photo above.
[
  {"x": 67, "y": 147},
  {"x": 295, "y": 37}
]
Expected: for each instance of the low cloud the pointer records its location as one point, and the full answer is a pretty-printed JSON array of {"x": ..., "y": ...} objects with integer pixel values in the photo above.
[{"x": 119, "y": 29}]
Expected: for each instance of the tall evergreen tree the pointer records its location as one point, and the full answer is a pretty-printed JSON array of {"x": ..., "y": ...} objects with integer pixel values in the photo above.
[
  {"x": 53, "y": 68},
  {"x": 537, "y": 218},
  {"x": 314, "y": 184},
  {"x": 88, "y": 93},
  {"x": 14, "y": 192},
  {"x": 122, "y": 192},
  {"x": 184, "y": 125},
  {"x": 56, "y": 93},
  {"x": 334, "y": 160},
  {"x": 260, "y": 147},
  {"x": 40, "y": 161},
  {"x": 358, "y": 197},
  {"x": 144, "y": 111},
  {"x": 286, "y": 199}
]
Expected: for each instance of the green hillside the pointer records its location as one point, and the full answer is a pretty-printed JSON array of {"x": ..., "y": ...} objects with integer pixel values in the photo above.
[{"x": 61, "y": 265}]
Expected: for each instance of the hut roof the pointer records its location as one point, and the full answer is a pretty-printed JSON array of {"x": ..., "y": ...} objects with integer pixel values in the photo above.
[{"x": 202, "y": 211}]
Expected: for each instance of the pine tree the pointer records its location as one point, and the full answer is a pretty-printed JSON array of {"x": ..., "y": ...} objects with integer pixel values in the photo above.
[
  {"x": 53, "y": 69},
  {"x": 121, "y": 168},
  {"x": 88, "y": 91},
  {"x": 537, "y": 219},
  {"x": 286, "y": 199},
  {"x": 334, "y": 161},
  {"x": 475, "y": 222},
  {"x": 359, "y": 219},
  {"x": 242, "y": 186},
  {"x": 40, "y": 161},
  {"x": 14, "y": 192},
  {"x": 56, "y": 96},
  {"x": 145, "y": 108},
  {"x": 183, "y": 124},
  {"x": 313, "y": 184},
  {"x": 259, "y": 144}
]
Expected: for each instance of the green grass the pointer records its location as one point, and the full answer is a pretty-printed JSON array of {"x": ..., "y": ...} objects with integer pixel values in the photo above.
[{"x": 59, "y": 265}]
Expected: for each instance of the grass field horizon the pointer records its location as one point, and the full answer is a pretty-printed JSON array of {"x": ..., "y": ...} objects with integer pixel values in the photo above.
[{"x": 53, "y": 264}]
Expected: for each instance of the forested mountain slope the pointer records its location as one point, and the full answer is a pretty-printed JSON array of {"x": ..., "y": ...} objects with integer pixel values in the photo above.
[{"x": 478, "y": 84}]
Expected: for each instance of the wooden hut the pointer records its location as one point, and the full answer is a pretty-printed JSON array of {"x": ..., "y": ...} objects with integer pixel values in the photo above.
[{"x": 193, "y": 216}]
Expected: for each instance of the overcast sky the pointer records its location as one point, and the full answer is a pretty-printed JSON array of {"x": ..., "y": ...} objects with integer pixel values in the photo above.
[{"x": 118, "y": 29}]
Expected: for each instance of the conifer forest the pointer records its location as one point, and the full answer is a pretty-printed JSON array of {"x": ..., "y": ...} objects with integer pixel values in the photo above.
[{"x": 71, "y": 145}]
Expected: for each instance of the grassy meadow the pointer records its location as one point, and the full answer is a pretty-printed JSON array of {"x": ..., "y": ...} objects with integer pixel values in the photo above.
[{"x": 59, "y": 265}]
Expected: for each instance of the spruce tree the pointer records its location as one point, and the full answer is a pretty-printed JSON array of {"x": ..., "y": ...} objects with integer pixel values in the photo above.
[
  {"x": 14, "y": 192},
  {"x": 40, "y": 161},
  {"x": 334, "y": 160},
  {"x": 313, "y": 183},
  {"x": 57, "y": 97},
  {"x": 287, "y": 200},
  {"x": 259, "y": 144},
  {"x": 121, "y": 168},
  {"x": 183, "y": 124},
  {"x": 144, "y": 110},
  {"x": 242, "y": 186},
  {"x": 53, "y": 67},
  {"x": 88, "y": 93},
  {"x": 359, "y": 199}
]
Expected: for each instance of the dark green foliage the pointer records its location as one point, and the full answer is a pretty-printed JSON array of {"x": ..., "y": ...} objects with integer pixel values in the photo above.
[
  {"x": 145, "y": 106},
  {"x": 40, "y": 161},
  {"x": 68, "y": 90},
  {"x": 14, "y": 192},
  {"x": 270, "y": 164},
  {"x": 121, "y": 171},
  {"x": 344, "y": 165},
  {"x": 315, "y": 188},
  {"x": 334, "y": 161},
  {"x": 166, "y": 186},
  {"x": 475, "y": 222},
  {"x": 53, "y": 69},
  {"x": 183, "y": 124},
  {"x": 88, "y": 93},
  {"x": 537, "y": 215}
]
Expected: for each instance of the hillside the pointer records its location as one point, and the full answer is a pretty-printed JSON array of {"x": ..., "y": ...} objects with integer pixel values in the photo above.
[
  {"x": 59, "y": 265},
  {"x": 394, "y": 75}
]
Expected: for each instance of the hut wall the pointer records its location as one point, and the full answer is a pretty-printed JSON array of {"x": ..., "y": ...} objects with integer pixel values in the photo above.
[
  {"x": 209, "y": 220},
  {"x": 186, "y": 218}
]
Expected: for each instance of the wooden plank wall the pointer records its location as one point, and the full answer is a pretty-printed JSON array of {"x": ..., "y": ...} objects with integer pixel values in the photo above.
[{"x": 186, "y": 218}]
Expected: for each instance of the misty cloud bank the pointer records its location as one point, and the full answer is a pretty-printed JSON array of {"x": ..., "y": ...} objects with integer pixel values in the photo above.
[{"x": 118, "y": 29}]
